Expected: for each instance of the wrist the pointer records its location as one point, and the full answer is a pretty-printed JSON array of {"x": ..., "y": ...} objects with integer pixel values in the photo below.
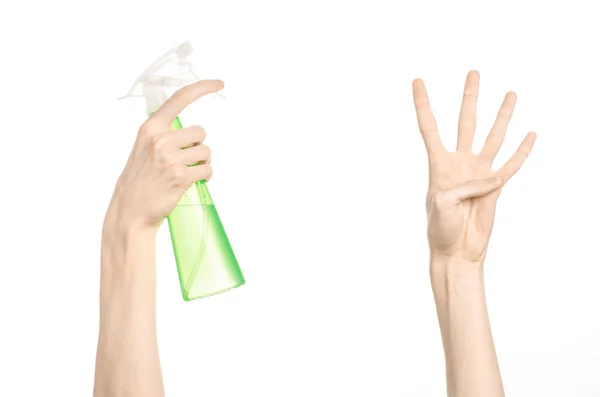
[
  {"x": 446, "y": 271},
  {"x": 126, "y": 244},
  {"x": 451, "y": 264},
  {"x": 127, "y": 277},
  {"x": 119, "y": 221}
]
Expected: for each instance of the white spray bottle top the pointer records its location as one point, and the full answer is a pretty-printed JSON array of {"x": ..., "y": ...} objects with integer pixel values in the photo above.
[{"x": 172, "y": 70}]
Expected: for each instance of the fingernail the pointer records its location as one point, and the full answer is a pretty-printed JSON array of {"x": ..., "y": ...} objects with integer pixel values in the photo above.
[{"x": 220, "y": 83}]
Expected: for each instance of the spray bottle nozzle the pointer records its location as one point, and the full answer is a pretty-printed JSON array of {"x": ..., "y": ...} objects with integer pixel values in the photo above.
[
  {"x": 183, "y": 49},
  {"x": 172, "y": 70}
]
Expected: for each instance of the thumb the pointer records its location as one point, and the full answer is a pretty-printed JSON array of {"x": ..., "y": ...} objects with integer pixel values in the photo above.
[{"x": 471, "y": 189}]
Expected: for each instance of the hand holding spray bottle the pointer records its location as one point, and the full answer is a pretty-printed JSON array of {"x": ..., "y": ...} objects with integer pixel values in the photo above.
[{"x": 205, "y": 260}]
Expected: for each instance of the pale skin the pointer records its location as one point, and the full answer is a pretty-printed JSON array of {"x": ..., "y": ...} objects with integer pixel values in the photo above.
[
  {"x": 155, "y": 177},
  {"x": 461, "y": 204}
]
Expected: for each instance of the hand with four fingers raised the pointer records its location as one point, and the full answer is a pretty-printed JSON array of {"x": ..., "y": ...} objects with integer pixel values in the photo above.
[{"x": 463, "y": 187}]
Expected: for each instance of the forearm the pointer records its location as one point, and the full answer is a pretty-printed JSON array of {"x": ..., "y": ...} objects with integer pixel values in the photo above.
[
  {"x": 471, "y": 365},
  {"x": 127, "y": 362}
]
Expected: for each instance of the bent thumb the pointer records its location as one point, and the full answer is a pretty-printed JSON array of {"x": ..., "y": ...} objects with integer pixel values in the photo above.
[{"x": 471, "y": 189}]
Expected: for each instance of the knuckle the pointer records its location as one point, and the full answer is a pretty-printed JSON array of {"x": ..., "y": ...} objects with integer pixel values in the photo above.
[
  {"x": 198, "y": 129},
  {"x": 198, "y": 133},
  {"x": 145, "y": 129},
  {"x": 524, "y": 151},
  {"x": 183, "y": 95},
  {"x": 204, "y": 172},
  {"x": 158, "y": 142},
  {"x": 178, "y": 176},
  {"x": 495, "y": 139},
  {"x": 149, "y": 126},
  {"x": 422, "y": 106},
  {"x": 209, "y": 171},
  {"x": 169, "y": 161}
]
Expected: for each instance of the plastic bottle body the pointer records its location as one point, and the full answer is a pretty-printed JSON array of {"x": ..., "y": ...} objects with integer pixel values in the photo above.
[{"x": 206, "y": 263}]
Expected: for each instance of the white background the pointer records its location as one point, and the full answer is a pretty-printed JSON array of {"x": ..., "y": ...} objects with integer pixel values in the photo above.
[{"x": 320, "y": 176}]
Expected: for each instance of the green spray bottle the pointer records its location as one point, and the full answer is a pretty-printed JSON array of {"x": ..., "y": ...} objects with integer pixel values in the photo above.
[{"x": 205, "y": 260}]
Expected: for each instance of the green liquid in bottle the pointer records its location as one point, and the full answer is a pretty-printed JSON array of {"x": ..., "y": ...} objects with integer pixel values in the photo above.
[{"x": 205, "y": 260}]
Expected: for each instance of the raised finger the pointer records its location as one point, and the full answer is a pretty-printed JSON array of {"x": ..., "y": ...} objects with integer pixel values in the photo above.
[
  {"x": 496, "y": 136},
  {"x": 516, "y": 161},
  {"x": 468, "y": 113},
  {"x": 425, "y": 118}
]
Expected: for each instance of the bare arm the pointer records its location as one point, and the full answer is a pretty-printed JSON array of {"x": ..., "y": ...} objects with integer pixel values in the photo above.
[
  {"x": 127, "y": 361},
  {"x": 471, "y": 364},
  {"x": 461, "y": 206},
  {"x": 157, "y": 174}
]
